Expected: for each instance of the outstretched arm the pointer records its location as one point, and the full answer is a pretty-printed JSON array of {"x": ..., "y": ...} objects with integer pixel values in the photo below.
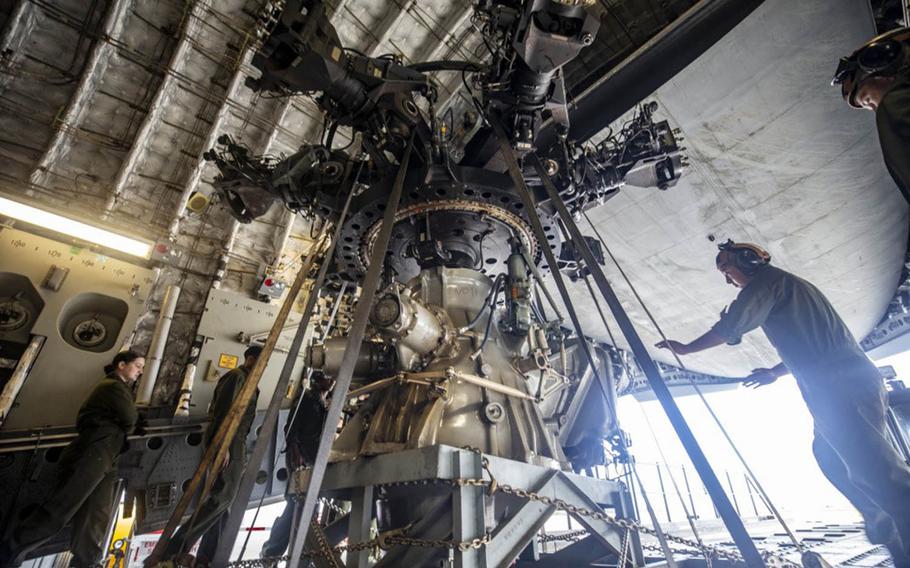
[{"x": 708, "y": 340}]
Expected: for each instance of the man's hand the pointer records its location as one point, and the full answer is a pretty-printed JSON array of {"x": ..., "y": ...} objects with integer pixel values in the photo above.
[
  {"x": 760, "y": 377},
  {"x": 674, "y": 346}
]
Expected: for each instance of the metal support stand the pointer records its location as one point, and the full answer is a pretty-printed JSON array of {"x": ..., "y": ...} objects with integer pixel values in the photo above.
[
  {"x": 731, "y": 519},
  {"x": 267, "y": 430},
  {"x": 359, "y": 525},
  {"x": 346, "y": 371},
  {"x": 463, "y": 506},
  {"x": 468, "y": 511}
]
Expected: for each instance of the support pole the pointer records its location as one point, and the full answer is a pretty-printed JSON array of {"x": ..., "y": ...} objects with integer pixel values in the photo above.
[
  {"x": 20, "y": 373},
  {"x": 359, "y": 525},
  {"x": 663, "y": 493},
  {"x": 468, "y": 521},
  {"x": 531, "y": 208},
  {"x": 156, "y": 349},
  {"x": 269, "y": 423},
  {"x": 627, "y": 511},
  {"x": 346, "y": 371},
  {"x": 689, "y": 491},
  {"x": 217, "y": 450},
  {"x": 732, "y": 492},
  {"x": 751, "y": 495},
  {"x": 731, "y": 519},
  {"x": 267, "y": 430},
  {"x": 661, "y": 536}
]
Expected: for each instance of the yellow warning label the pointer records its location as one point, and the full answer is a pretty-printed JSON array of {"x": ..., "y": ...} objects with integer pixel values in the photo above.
[{"x": 226, "y": 361}]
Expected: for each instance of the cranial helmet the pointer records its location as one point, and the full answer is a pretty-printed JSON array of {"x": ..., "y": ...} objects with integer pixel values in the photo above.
[
  {"x": 882, "y": 56},
  {"x": 747, "y": 257}
]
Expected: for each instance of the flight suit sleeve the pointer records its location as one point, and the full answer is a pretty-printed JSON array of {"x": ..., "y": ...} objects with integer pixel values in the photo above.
[
  {"x": 748, "y": 311},
  {"x": 112, "y": 402},
  {"x": 221, "y": 403},
  {"x": 123, "y": 408}
]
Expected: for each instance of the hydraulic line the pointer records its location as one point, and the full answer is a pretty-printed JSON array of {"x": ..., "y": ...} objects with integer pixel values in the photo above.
[
  {"x": 488, "y": 302},
  {"x": 726, "y": 434},
  {"x": 486, "y": 332}
]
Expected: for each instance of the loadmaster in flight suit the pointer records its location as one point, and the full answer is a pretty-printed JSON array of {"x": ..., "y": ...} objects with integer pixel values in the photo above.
[
  {"x": 876, "y": 77},
  {"x": 84, "y": 492},
  {"x": 209, "y": 518},
  {"x": 842, "y": 388}
]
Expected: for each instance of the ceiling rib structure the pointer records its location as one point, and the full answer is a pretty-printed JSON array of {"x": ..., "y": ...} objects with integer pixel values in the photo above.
[{"x": 106, "y": 107}]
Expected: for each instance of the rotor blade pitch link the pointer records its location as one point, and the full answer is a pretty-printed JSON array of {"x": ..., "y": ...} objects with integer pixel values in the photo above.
[
  {"x": 727, "y": 512},
  {"x": 263, "y": 440},
  {"x": 346, "y": 371}
]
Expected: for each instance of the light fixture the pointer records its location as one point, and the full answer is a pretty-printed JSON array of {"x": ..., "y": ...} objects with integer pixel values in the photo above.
[{"x": 77, "y": 229}]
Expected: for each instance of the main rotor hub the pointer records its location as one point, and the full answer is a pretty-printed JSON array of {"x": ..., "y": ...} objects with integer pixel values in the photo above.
[{"x": 463, "y": 224}]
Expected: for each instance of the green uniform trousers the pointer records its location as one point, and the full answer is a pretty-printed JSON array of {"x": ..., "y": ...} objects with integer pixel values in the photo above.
[
  {"x": 855, "y": 453},
  {"x": 84, "y": 493}
]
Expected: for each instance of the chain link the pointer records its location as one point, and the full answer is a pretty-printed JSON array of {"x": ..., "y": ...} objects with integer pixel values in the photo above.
[
  {"x": 627, "y": 524},
  {"x": 624, "y": 549},
  {"x": 658, "y": 548},
  {"x": 571, "y": 536},
  {"x": 270, "y": 562},
  {"x": 325, "y": 549},
  {"x": 384, "y": 541},
  {"x": 398, "y": 537},
  {"x": 330, "y": 504}
]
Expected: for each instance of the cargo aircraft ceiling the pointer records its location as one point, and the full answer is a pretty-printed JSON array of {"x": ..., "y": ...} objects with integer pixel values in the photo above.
[{"x": 107, "y": 106}]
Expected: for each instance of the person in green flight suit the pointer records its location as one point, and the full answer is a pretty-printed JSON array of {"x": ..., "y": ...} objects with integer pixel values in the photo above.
[
  {"x": 208, "y": 520},
  {"x": 843, "y": 389},
  {"x": 303, "y": 433},
  {"x": 84, "y": 493},
  {"x": 876, "y": 77}
]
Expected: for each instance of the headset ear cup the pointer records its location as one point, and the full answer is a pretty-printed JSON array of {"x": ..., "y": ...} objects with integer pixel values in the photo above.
[
  {"x": 747, "y": 260},
  {"x": 880, "y": 57},
  {"x": 742, "y": 261}
]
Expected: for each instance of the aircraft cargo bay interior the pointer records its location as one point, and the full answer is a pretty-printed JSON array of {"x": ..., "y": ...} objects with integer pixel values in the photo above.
[{"x": 454, "y": 283}]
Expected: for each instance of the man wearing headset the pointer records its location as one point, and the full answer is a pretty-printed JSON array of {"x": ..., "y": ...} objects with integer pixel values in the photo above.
[
  {"x": 842, "y": 388},
  {"x": 876, "y": 77}
]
